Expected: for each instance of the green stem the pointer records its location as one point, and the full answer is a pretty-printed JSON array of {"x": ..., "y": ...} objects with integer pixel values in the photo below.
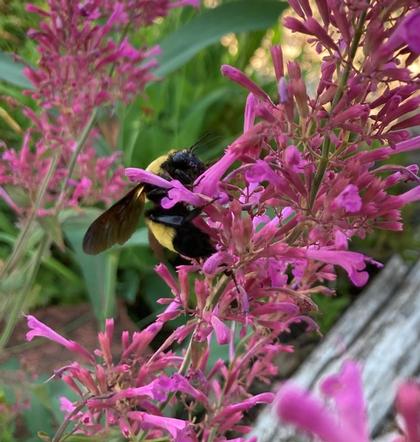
[
  {"x": 21, "y": 242},
  {"x": 58, "y": 435},
  {"x": 323, "y": 163},
  {"x": 19, "y": 301},
  {"x": 72, "y": 164}
]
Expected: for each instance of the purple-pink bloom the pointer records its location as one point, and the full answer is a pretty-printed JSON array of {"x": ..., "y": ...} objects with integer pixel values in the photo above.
[
  {"x": 239, "y": 77},
  {"x": 221, "y": 330},
  {"x": 407, "y": 404},
  {"x": 346, "y": 422},
  {"x": 349, "y": 199},
  {"x": 173, "y": 426},
  {"x": 352, "y": 262},
  {"x": 407, "y": 32},
  {"x": 37, "y": 328},
  {"x": 346, "y": 389}
]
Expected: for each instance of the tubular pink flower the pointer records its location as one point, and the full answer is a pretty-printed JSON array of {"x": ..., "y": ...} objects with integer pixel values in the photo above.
[
  {"x": 279, "y": 307},
  {"x": 349, "y": 199},
  {"x": 293, "y": 159},
  {"x": 277, "y": 56},
  {"x": 296, "y": 406},
  {"x": 179, "y": 193},
  {"x": 208, "y": 183},
  {"x": 346, "y": 389},
  {"x": 250, "y": 111},
  {"x": 167, "y": 276},
  {"x": 37, "y": 328},
  {"x": 142, "y": 339},
  {"x": 408, "y": 406},
  {"x": 263, "y": 398},
  {"x": 407, "y": 33},
  {"x": 143, "y": 176},
  {"x": 282, "y": 89},
  {"x": 409, "y": 196},
  {"x": 222, "y": 331},
  {"x": 295, "y": 25},
  {"x": 352, "y": 262},
  {"x": 174, "y": 427},
  {"x": 314, "y": 28},
  {"x": 239, "y": 77},
  {"x": 66, "y": 406}
]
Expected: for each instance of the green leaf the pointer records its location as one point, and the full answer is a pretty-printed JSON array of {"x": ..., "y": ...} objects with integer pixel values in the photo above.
[
  {"x": 51, "y": 226},
  {"x": 12, "y": 71},
  {"x": 99, "y": 271},
  {"x": 211, "y": 25},
  {"x": 140, "y": 238}
]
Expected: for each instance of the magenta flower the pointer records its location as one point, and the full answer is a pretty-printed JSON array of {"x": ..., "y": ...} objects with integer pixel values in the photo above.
[
  {"x": 37, "y": 328},
  {"x": 348, "y": 419},
  {"x": 349, "y": 199},
  {"x": 407, "y": 404},
  {"x": 352, "y": 262},
  {"x": 407, "y": 32}
]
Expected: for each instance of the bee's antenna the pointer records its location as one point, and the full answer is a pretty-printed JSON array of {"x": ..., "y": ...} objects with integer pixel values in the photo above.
[{"x": 204, "y": 140}]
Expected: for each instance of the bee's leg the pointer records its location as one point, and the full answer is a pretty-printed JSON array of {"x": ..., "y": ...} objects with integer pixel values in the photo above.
[
  {"x": 154, "y": 193},
  {"x": 167, "y": 218}
]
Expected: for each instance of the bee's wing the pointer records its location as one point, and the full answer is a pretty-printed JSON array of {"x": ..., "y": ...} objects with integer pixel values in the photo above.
[{"x": 116, "y": 224}]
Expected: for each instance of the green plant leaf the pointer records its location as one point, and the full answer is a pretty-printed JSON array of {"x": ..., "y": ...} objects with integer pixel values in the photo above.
[
  {"x": 99, "y": 272},
  {"x": 12, "y": 71},
  {"x": 207, "y": 28}
]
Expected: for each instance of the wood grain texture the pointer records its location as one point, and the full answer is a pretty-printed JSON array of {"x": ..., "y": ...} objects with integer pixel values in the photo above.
[{"x": 381, "y": 330}]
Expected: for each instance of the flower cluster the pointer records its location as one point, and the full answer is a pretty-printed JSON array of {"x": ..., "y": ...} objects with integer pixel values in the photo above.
[
  {"x": 280, "y": 207},
  {"x": 80, "y": 67},
  {"x": 133, "y": 392},
  {"x": 348, "y": 420}
]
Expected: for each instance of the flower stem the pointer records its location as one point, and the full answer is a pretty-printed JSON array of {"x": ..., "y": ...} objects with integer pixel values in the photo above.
[
  {"x": 19, "y": 301},
  {"x": 323, "y": 163},
  {"x": 72, "y": 164},
  {"x": 58, "y": 435},
  {"x": 21, "y": 242}
]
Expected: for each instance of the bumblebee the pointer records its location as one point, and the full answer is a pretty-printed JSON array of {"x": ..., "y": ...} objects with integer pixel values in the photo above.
[{"x": 173, "y": 228}]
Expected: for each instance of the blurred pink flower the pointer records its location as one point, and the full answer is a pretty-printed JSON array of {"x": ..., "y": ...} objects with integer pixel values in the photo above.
[{"x": 347, "y": 420}]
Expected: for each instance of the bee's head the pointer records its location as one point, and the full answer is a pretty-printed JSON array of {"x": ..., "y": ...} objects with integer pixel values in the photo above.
[{"x": 184, "y": 166}]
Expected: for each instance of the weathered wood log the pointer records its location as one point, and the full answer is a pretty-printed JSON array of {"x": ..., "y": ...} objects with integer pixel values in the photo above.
[{"x": 381, "y": 330}]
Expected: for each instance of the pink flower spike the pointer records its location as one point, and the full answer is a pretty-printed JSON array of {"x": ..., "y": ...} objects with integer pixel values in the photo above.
[
  {"x": 408, "y": 406},
  {"x": 37, "y": 328},
  {"x": 347, "y": 391},
  {"x": 239, "y": 77},
  {"x": 297, "y": 407}
]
